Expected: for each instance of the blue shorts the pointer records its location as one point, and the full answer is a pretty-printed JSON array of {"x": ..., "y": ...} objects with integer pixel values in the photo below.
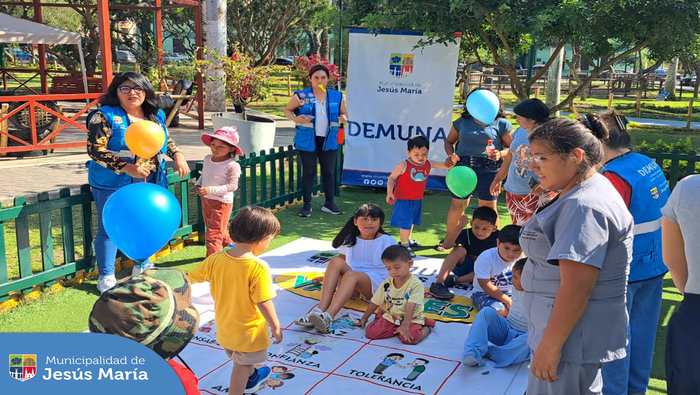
[
  {"x": 485, "y": 173},
  {"x": 406, "y": 213},
  {"x": 465, "y": 268},
  {"x": 482, "y": 300}
]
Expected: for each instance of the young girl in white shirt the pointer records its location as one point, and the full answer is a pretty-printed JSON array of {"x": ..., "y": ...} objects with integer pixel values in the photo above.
[{"x": 360, "y": 243}]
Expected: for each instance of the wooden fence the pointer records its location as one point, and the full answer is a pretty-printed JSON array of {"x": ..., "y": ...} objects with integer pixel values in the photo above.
[{"x": 52, "y": 238}]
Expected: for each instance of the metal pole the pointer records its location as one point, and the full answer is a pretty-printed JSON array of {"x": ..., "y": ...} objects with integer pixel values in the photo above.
[{"x": 340, "y": 43}]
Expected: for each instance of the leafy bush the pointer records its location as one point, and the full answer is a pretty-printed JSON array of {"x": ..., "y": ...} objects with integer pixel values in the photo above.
[
  {"x": 186, "y": 72},
  {"x": 301, "y": 67}
]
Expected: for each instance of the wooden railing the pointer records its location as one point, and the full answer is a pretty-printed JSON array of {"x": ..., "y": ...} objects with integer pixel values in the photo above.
[{"x": 52, "y": 238}]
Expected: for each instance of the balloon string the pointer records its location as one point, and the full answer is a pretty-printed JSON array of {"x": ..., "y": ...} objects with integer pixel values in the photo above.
[{"x": 464, "y": 209}]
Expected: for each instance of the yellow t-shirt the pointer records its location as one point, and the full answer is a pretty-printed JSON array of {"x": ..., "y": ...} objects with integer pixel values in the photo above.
[
  {"x": 236, "y": 286},
  {"x": 393, "y": 300}
]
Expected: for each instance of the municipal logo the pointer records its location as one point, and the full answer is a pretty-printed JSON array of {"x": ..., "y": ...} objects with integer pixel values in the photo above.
[
  {"x": 22, "y": 366},
  {"x": 654, "y": 193},
  {"x": 401, "y": 64}
]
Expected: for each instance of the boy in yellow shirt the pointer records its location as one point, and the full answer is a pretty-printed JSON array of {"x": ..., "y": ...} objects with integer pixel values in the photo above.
[
  {"x": 401, "y": 300},
  {"x": 242, "y": 289}
]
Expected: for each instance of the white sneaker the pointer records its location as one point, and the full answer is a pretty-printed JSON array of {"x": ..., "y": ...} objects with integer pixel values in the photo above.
[
  {"x": 140, "y": 268},
  {"x": 321, "y": 321},
  {"x": 106, "y": 282}
]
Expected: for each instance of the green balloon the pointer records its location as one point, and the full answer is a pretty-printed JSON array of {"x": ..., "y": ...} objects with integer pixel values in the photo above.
[{"x": 461, "y": 180}]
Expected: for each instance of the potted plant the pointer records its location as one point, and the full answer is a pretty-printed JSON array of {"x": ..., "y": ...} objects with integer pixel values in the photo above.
[
  {"x": 244, "y": 84},
  {"x": 301, "y": 66}
]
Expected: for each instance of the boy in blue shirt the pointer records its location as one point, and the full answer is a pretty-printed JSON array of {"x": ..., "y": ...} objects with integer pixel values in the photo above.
[
  {"x": 503, "y": 339},
  {"x": 468, "y": 244}
]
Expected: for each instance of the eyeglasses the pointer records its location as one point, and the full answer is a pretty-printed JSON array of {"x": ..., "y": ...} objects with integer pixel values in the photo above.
[
  {"x": 127, "y": 89},
  {"x": 538, "y": 157}
]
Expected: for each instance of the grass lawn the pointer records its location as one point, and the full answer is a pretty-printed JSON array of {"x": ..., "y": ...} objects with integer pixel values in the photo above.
[{"x": 67, "y": 311}]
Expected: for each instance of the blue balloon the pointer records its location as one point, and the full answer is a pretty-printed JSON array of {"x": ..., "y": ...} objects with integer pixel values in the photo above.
[
  {"x": 483, "y": 106},
  {"x": 141, "y": 218}
]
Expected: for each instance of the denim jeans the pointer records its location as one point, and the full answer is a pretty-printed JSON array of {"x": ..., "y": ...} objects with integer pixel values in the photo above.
[
  {"x": 508, "y": 345},
  {"x": 630, "y": 375},
  {"x": 105, "y": 250}
]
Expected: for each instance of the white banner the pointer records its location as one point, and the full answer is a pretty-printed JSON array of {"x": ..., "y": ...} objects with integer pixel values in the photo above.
[{"x": 395, "y": 92}]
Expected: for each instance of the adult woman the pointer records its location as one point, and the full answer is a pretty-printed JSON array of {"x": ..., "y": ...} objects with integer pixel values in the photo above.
[
  {"x": 317, "y": 112},
  {"x": 680, "y": 230},
  {"x": 523, "y": 194},
  {"x": 578, "y": 248},
  {"x": 644, "y": 189},
  {"x": 130, "y": 98},
  {"x": 473, "y": 136}
]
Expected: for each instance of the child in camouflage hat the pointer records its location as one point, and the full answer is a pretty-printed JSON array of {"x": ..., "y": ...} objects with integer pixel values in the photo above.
[
  {"x": 156, "y": 301},
  {"x": 242, "y": 289}
]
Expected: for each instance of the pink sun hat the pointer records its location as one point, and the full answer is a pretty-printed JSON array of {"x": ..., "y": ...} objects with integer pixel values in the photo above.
[{"x": 227, "y": 134}]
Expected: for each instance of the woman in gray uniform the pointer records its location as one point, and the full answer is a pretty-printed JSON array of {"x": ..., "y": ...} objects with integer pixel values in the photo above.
[{"x": 579, "y": 246}]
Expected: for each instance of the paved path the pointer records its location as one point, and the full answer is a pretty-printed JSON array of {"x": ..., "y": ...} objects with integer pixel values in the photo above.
[{"x": 65, "y": 168}]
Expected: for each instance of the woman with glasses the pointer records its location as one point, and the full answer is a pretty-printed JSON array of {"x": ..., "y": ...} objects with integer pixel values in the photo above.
[
  {"x": 130, "y": 98},
  {"x": 644, "y": 189},
  {"x": 523, "y": 192},
  {"x": 579, "y": 247}
]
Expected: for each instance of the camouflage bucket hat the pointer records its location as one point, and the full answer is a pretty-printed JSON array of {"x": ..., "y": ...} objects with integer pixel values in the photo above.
[{"x": 153, "y": 308}]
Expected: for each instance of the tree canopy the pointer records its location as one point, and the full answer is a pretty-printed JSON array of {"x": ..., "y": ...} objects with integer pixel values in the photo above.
[{"x": 505, "y": 29}]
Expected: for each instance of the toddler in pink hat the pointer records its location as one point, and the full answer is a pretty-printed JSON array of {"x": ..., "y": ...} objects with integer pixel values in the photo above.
[{"x": 218, "y": 181}]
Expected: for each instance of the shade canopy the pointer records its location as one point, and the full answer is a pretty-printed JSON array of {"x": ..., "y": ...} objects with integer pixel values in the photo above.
[{"x": 17, "y": 30}]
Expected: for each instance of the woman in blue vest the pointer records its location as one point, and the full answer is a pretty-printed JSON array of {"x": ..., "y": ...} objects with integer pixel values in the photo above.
[
  {"x": 643, "y": 187},
  {"x": 130, "y": 98},
  {"x": 317, "y": 113}
]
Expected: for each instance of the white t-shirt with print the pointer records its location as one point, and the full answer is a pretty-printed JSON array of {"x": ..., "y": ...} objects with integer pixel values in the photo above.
[{"x": 489, "y": 265}]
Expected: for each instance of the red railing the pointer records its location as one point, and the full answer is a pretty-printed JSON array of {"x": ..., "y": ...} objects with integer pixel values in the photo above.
[{"x": 33, "y": 103}]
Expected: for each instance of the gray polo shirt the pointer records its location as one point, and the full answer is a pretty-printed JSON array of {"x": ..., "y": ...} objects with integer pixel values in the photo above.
[{"x": 589, "y": 224}]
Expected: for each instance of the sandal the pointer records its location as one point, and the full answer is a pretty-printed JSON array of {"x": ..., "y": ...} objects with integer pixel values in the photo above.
[
  {"x": 304, "y": 319},
  {"x": 440, "y": 248}
]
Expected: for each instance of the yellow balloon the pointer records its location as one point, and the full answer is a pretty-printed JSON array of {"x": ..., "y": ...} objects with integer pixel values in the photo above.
[{"x": 145, "y": 138}]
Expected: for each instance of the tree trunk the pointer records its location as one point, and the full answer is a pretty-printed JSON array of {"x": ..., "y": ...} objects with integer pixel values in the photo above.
[
  {"x": 314, "y": 43},
  {"x": 215, "y": 95},
  {"x": 576, "y": 62},
  {"x": 670, "y": 82},
  {"x": 554, "y": 81},
  {"x": 325, "y": 44}
]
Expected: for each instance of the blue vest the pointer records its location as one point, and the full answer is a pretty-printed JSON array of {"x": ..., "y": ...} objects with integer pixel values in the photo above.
[
  {"x": 104, "y": 178},
  {"x": 650, "y": 192},
  {"x": 305, "y": 137}
]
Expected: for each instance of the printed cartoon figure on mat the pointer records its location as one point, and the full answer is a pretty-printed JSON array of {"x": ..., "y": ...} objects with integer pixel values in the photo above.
[
  {"x": 209, "y": 328},
  {"x": 300, "y": 348},
  {"x": 418, "y": 366},
  {"x": 388, "y": 360}
]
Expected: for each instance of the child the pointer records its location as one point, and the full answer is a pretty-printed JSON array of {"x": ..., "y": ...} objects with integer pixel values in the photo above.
[
  {"x": 508, "y": 336},
  {"x": 242, "y": 290},
  {"x": 357, "y": 270},
  {"x": 469, "y": 244},
  {"x": 401, "y": 300},
  {"x": 409, "y": 177},
  {"x": 216, "y": 185},
  {"x": 492, "y": 270},
  {"x": 122, "y": 310}
]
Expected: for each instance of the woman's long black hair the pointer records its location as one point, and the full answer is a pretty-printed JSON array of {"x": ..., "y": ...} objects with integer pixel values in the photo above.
[
  {"x": 501, "y": 108},
  {"x": 150, "y": 104},
  {"x": 348, "y": 235}
]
